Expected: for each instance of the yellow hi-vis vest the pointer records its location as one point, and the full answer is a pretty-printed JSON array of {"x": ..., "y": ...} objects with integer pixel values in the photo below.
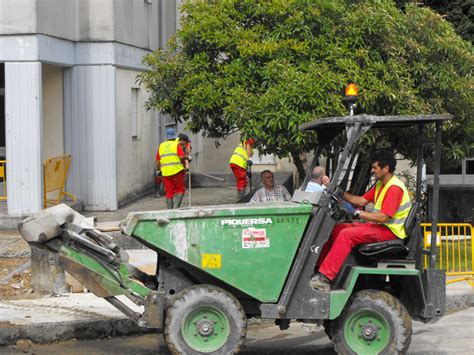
[
  {"x": 396, "y": 224},
  {"x": 240, "y": 156},
  {"x": 170, "y": 163}
]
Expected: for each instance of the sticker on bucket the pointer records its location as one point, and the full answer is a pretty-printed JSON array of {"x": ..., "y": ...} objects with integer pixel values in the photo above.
[
  {"x": 211, "y": 261},
  {"x": 255, "y": 238}
]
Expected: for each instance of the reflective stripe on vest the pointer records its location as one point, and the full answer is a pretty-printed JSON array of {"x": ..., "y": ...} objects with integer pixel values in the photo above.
[
  {"x": 239, "y": 157},
  {"x": 170, "y": 163},
  {"x": 396, "y": 223}
]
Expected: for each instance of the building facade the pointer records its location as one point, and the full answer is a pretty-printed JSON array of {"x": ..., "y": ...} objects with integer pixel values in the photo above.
[{"x": 68, "y": 85}]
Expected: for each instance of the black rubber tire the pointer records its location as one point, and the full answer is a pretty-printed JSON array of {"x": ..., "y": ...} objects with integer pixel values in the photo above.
[
  {"x": 198, "y": 296},
  {"x": 385, "y": 304}
]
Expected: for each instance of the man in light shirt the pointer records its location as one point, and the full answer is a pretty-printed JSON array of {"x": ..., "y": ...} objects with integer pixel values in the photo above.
[
  {"x": 319, "y": 180},
  {"x": 270, "y": 192}
]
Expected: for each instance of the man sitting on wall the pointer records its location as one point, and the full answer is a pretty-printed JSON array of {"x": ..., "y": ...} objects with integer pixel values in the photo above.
[{"x": 270, "y": 192}]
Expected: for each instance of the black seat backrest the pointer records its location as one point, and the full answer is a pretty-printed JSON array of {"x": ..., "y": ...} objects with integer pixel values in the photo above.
[
  {"x": 411, "y": 219},
  {"x": 412, "y": 230}
]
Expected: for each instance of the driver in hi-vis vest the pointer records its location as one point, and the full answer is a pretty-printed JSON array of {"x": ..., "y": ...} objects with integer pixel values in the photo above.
[
  {"x": 386, "y": 221},
  {"x": 173, "y": 163},
  {"x": 239, "y": 161}
]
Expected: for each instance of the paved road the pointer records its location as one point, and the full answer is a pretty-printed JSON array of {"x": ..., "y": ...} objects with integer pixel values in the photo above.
[{"x": 454, "y": 334}]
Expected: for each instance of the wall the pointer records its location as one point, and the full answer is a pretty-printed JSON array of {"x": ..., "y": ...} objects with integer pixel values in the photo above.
[
  {"x": 95, "y": 20},
  {"x": 53, "y": 124},
  {"x": 456, "y": 203},
  {"x": 17, "y": 16},
  {"x": 216, "y": 160},
  {"x": 133, "y": 22},
  {"x": 58, "y": 18},
  {"x": 135, "y": 156},
  {"x": 136, "y": 23}
]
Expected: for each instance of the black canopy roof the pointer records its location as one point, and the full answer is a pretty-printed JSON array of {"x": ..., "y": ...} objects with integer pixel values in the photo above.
[
  {"x": 339, "y": 123},
  {"x": 329, "y": 127}
]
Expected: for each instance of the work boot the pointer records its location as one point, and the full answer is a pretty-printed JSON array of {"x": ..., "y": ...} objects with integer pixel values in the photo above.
[
  {"x": 169, "y": 203},
  {"x": 320, "y": 282},
  {"x": 240, "y": 195},
  {"x": 177, "y": 200}
]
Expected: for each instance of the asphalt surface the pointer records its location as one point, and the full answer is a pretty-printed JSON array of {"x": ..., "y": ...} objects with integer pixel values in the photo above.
[{"x": 454, "y": 334}]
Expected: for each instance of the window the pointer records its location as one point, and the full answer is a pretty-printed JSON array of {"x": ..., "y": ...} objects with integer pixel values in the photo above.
[
  {"x": 470, "y": 167},
  {"x": 445, "y": 169},
  {"x": 134, "y": 113}
]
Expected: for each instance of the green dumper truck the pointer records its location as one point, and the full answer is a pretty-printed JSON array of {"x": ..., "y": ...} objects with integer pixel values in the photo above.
[{"x": 217, "y": 266}]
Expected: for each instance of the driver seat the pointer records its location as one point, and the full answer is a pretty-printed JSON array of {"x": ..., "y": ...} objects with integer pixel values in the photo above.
[{"x": 401, "y": 248}]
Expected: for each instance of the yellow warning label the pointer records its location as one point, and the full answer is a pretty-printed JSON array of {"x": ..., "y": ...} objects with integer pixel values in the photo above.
[{"x": 211, "y": 261}]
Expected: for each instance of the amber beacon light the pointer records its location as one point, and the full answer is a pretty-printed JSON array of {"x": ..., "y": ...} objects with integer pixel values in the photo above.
[
  {"x": 351, "y": 95},
  {"x": 352, "y": 90}
]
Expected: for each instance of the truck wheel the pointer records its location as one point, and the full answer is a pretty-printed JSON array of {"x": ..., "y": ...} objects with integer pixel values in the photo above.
[
  {"x": 205, "y": 319},
  {"x": 374, "y": 323}
]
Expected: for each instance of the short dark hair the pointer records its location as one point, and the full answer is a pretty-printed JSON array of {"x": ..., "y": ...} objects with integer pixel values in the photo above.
[
  {"x": 183, "y": 137},
  {"x": 385, "y": 158},
  {"x": 263, "y": 172}
]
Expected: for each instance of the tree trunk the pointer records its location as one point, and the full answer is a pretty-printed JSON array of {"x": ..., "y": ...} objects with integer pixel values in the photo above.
[
  {"x": 299, "y": 166},
  {"x": 361, "y": 175},
  {"x": 345, "y": 179}
]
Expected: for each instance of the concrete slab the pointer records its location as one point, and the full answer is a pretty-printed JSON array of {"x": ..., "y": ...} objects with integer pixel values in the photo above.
[
  {"x": 11, "y": 223},
  {"x": 69, "y": 316}
]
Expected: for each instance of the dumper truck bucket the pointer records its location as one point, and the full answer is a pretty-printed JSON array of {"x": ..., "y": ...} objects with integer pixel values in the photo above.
[{"x": 249, "y": 247}]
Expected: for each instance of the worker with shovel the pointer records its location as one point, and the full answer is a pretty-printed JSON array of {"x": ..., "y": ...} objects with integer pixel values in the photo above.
[
  {"x": 241, "y": 165},
  {"x": 173, "y": 163}
]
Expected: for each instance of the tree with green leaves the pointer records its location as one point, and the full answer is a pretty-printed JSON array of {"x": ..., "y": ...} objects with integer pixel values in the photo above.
[
  {"x": 265, "y": 67},
  {"x": 459, "y": 12}
]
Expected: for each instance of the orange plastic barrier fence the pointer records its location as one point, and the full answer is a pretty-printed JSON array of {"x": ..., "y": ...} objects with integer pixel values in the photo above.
[
  {"x": 55, "y": 175},
  {"x": 455, "y": 250}
]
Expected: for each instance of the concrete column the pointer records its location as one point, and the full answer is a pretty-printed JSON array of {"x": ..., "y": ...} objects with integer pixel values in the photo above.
[
  {"x": 90, "y": 135},
  {"x": 47, "y": 274},
  {"x": 23, "y": 123}
]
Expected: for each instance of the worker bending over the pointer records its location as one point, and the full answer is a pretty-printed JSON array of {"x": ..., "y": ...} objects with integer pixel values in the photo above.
[{"x": 239, "y": 162}]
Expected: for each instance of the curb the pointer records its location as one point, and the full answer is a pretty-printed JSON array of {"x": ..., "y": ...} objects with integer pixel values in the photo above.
[
  {"x": 93, "y": 329},
  {"x": 54, "y": 332},
  {"x": 459, "y": 300}
]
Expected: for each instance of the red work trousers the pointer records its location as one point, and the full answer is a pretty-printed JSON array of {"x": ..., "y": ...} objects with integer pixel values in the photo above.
[
  {"x": 344, "y": 237},
  {"x": 174, "y": 184},
  {"x": 240, "y": 175}
]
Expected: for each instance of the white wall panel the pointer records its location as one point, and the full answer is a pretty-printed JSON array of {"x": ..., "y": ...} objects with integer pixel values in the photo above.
[
  {"x": 23, "y": 123},
  {"x": 90, "y": 135}
]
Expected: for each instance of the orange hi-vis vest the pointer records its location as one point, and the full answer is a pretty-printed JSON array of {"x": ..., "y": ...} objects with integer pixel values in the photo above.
[
  {"x": 240, "y": 156},
  {"x": 170, "y": 163}
]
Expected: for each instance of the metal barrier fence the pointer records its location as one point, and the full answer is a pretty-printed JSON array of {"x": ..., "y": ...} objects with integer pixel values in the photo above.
[
  {"x": 3, "y": 179},
  {"x": 55, "y": 175},
  {"x": 455, "y": 250}
]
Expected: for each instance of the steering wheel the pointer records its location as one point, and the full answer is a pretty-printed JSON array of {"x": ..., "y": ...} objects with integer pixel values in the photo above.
[{"x": 338, "y": 209}]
